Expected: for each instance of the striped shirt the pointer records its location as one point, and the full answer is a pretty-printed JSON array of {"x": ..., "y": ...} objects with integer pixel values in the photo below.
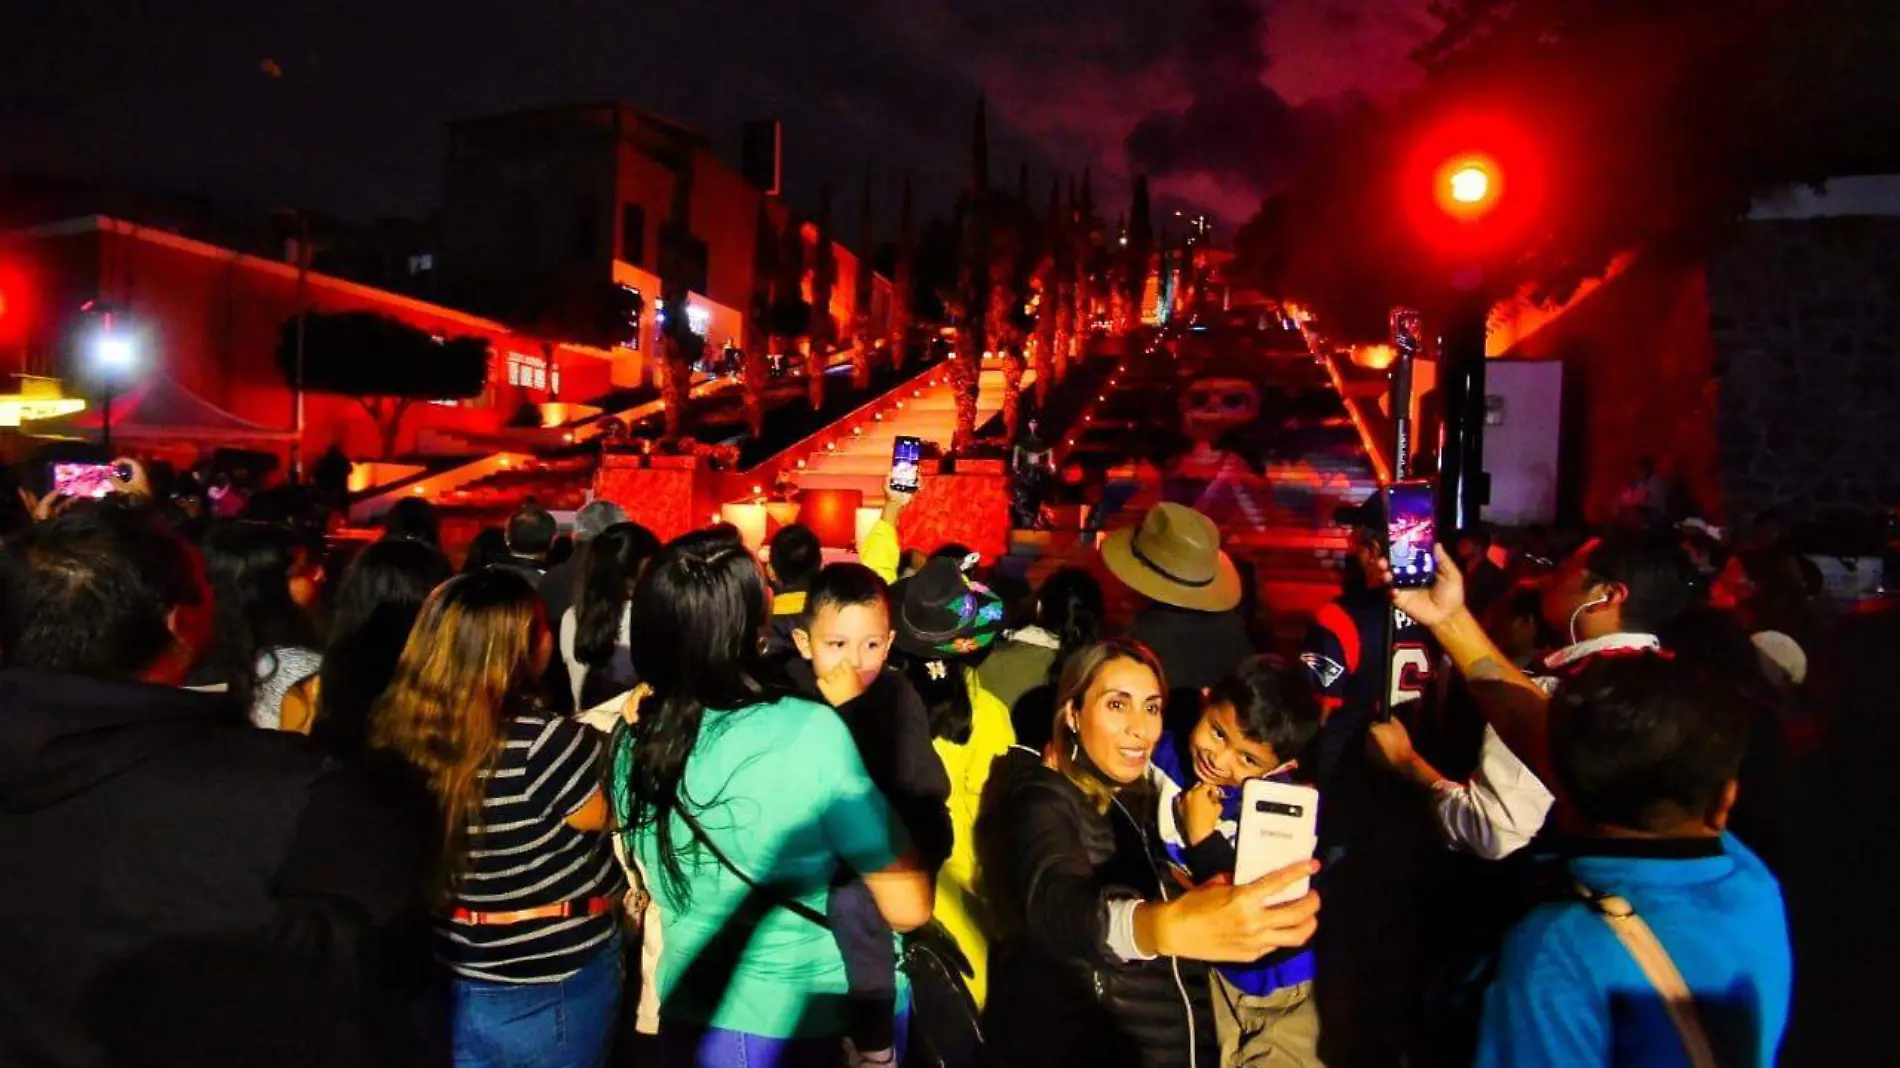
[{"x": 523, "y": 854}]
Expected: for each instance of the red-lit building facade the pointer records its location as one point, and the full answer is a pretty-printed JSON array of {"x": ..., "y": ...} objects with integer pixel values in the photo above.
[
  {"x": 577, "y": 194},
  {"x": 209, "y": 319},
  {"x": 583, "y": 192}
]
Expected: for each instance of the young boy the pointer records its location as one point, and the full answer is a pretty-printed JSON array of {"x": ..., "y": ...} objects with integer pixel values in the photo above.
[
  {"x": 1254, "y": 724},
  {"x": 842, "y": 640},
  {"x": 1648, "y": 752},
  {"x": 793, "y": 562}
]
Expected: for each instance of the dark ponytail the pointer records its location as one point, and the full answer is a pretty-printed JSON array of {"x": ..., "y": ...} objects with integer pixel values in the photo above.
[
  {"x": 945, "y": 690},
  {"x": 699, "y": 610},
  {"x": 609, "y": 565}
]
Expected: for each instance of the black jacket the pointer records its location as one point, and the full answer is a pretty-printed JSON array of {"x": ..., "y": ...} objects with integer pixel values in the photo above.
[
  {"x": 178, "y": 887},
  {"x": 892, "y": 731},
  {"x": 1058, "y": 995}
]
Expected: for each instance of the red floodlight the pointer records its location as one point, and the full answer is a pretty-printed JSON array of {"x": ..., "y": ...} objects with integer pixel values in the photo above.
[
  {"x": 1468, "y": 187},
  {"x": 1473, "y": 186}
]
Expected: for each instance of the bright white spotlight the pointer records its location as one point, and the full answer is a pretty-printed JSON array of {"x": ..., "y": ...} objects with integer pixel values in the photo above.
[{"x": 115, "y": 352}]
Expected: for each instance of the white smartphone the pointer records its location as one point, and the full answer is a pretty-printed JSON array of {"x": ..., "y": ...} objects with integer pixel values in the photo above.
[{"x": 1279, "y": 825}]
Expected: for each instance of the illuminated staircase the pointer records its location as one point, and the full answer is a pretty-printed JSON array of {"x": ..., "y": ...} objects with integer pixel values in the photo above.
[{"x": 863, "y": 461}]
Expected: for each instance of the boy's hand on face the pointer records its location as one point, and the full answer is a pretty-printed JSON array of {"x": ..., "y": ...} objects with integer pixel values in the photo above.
[
  {"x": 1200, "y": 811},
  {"x": 841, "y": 685}
]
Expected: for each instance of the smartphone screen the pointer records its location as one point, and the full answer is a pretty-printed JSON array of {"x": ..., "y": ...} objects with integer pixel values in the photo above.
[
  {"x": 1279, "y": 825},
  {"x": 1410, "y": 536},
  {"x": 82, "y": 480},
  {"x": 906, "y": 454}
]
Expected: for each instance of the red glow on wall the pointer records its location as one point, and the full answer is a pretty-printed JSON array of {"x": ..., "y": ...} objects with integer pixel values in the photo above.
[
  {"x": 1473, "y": 186},
  {"x": 16, "y": 304}
]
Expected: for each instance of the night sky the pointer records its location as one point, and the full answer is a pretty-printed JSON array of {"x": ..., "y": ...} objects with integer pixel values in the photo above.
[{"x": 1211, "y": 96}]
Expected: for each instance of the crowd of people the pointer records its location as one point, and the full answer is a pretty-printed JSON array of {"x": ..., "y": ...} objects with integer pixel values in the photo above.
[{"x": 267, "y": 801}]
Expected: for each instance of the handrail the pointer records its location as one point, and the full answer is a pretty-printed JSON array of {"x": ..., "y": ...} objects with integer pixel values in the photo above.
[
  {"x": 855, "y": 415},
  {"x": 1381, "y": 465}
]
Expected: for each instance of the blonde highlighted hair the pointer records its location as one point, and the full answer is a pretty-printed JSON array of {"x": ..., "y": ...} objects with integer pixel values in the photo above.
[
  {"x": 467, "y": 667},
  {"x": 1079, "y": 673}
]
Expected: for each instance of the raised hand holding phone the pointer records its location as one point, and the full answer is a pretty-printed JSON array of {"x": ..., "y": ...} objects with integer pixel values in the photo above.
[
  {"x": 907, "y": 454},
  {"x": 1411, "y": 538}
]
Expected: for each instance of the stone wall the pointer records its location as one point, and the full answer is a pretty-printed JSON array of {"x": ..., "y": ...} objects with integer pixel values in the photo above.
[
  {"x": 1637, "y": 383},
  {"x": 1805, "y": 319}
]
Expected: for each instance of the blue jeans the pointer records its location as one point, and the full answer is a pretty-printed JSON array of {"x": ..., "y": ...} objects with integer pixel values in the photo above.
[
  {"x": 569, "y": 1024},
  {"x": 714, "y": 1047}
]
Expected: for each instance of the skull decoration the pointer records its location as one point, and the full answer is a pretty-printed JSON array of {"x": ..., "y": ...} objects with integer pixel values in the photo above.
[
  {"x": 1212, "y": 408},
  {"x": 1218, "y": 414}
]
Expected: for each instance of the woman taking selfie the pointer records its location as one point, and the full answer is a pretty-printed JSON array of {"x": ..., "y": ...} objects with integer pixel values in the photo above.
[
  {"x": 739, "y": 809},
  {"x": 526, "y": 924},
  {"x": 1101, "y": 956}
]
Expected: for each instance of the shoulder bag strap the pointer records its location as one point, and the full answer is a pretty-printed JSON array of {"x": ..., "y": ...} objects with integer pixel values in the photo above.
[
  {"x": 1659, "y": 968},
  {"x": 776, "y": 896}
]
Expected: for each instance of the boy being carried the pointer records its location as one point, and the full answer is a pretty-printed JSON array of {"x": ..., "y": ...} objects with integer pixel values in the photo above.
[
  {"x": 842, "y": 640},
  {"x": 1253, "y": 724},
  {"x": 791, "y": 565}
]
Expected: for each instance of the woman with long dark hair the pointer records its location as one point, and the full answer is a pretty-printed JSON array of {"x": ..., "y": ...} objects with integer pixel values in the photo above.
[
  {"x": 739, "y": 809},
  {"x": 264, "y": 641},
  {"x": 596, "y": 634},
  {"x": 1101, "y": 956},
  {"x": 528, "y": 887},
  {"x": 488, "y": 548},
  {"x": 375, "y": 607}
]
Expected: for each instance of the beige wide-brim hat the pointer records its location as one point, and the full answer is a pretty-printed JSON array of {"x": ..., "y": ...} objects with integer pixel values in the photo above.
[{"x": 1174, "y": 557}]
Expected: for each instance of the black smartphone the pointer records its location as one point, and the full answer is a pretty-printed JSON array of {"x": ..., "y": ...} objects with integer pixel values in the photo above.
[
  {"x": 1410, "y": 533},
  {"x": 907, "y": 453}
]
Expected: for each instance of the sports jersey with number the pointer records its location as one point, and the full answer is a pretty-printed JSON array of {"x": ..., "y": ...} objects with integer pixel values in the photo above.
[{"x": 1346, "y": 651}]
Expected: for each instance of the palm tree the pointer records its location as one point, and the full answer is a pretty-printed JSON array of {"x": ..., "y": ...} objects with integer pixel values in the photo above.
[
  {"x": 824, "y": 278},
  {"x": 791, "y": 313},
  {"x": 679, "y": 347},
  {"x": 904, "y": 285},
  {"x": 1141, "y": 247},
  {"x": 1012, "y": 226},
  {"x": 861, "y": 342},
  {"x": 973, "y": 284},
  {"x": 1048, "y": 270},
  {"x": 758, "y": 334}
]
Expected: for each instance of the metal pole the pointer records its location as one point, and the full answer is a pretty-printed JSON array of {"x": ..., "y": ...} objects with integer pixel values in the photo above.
[
  {"x": 1463, "y": 486},
  {"x": 303, "y": 312},
  {"x": 1405, "y": 340}
]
